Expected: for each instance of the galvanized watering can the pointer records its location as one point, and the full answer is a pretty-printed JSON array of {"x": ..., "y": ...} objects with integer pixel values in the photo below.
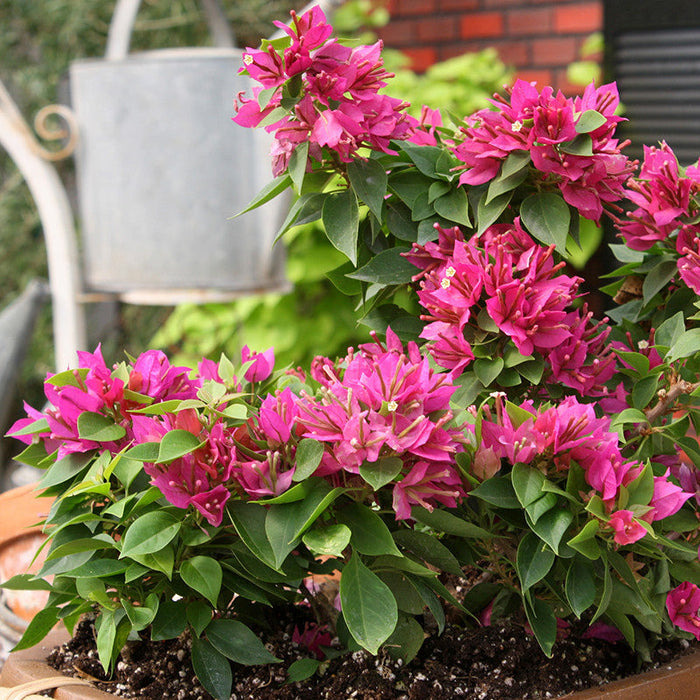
[{"x": 161, "y": 168}]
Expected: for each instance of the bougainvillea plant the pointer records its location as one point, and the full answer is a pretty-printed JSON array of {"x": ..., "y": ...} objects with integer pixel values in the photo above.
[{"x": 490, "y": 424}]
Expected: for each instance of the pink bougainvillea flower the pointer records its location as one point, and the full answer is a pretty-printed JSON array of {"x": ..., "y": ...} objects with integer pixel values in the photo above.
[
  {"x": 683, "y": 604},
  {"x": 668, "y": 497},
  {"x": 627, "y": 529},
  {"x": 154, "y": 376},
  {"x": 262, "y": 364},
  {"x": 545, "y": 125},
  {"x": 601, "y": 630}
]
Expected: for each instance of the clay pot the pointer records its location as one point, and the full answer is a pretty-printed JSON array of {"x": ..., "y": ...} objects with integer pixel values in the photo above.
[
  {"x": 20, "y": 538},
  {"x": 681, "y": 677}
]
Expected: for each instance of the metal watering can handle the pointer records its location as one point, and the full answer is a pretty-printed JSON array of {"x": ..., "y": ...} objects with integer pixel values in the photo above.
[{"x": 122, "y": 24}]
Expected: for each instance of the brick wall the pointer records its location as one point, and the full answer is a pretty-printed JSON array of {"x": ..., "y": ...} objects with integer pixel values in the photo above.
[{"x": 538, "y": 38}]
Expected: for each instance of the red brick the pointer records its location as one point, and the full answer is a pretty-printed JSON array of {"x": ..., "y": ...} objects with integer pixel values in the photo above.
[
  {"x": 421, "y": 59},
  {"x": 541, "y": 77},
  {"x": 513, "y": 53},
  {"x": 528, "y": 22},
  {"x": 584, "y": 17},
  {"x": 480, "y": 25},
  {"x": 437, "y": 29},
  {"x": 414, "y": 7},
  {"x": 558, "y": 51},
  {"x": 400, "y": 32},
  {"x": 460, "y": 6}
]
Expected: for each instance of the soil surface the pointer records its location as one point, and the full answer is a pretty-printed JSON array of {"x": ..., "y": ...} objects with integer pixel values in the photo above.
[{"x": 499, "y": 662}]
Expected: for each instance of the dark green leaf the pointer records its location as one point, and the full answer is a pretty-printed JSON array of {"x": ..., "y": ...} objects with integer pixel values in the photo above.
[
  {"x": 268, "y": 192},
  {"x": 685, "y": 346},
  {"x": 534, "y": 560},
  {"x": 406, "y": 639},
  {"x": 341, "y": 219},
  {"x": 39, "y": 626},
  {"x": 249, "y": 521},
  {"x": 301, "y": 669},
  {"x": 238, "y": 642},
  {"x": 297, "y": 164},
  {"x": 580, "y": 586},
  {"x": 308, "y": 457},
  {"x": 543, "y": 623},
  {"x": 203, "y": 574},
  {"x": 454, "y": 206},
  {"x": 658, "y": 278},
  {"x": 329, "y": 541},
  {"x": 369, "y": 607},
  {"x": 497, "y": 491},
  {"x": 387, "y": 267},
  {"x": 444, "y": 521},
  {"x": 430, "y": 549},
  {"x": 552, "y": 526},
  {"x": 369, "y": 180},
  {"x": 381, "y": 472},
  {"x": 488, "y": 369},
  {"x": 488, "y": 214},
  {"x": 369, "y": 533},
  {"x": 212, "y": 668},
  {"x": 546, "y": 216},
  {"x": 150, "y": 533}
]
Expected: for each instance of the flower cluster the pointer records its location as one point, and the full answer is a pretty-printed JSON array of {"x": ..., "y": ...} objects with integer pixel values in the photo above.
[
  {"x": 667, "y": 199},
  {"x": 385, "y": 404},
  {"x": 580, "y": 157},
  {"x": 520, "y": 288},
  {"x": 553, "y": 439},
  {"x": 334, "y": 90}
]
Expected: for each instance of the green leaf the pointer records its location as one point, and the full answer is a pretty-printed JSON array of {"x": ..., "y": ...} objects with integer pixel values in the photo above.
[
  {"x": 212, "y": 668},
  {"x": 297, "y": 164},
  {"x": 141, "y": 616},
  {"x": 64, "y": 470},
  {"x": 329, "y": 541},
  {"x": 543, "y": 623},
  {"x": 341, "y": 219},
  {"x": 488, "y": 214},
  {"x": 170, "y": 620},
  {"x": 547, "y": 217},
  {"x": 286, "y": 523},
  {"x": 644, "y": 391},
  {"x": 580, "y": 586},
  {"x": 552, "y": 526},
  {"x": 658, "y": 278},
  {"x": 589, "y": 121},
  {"x": 527, "y": 483},
  {"x": 203, "y": 574},
  {"x": 199, "y": 615},
  {"x": 98, "y": 568},
  {"x": 370, "y": 535},
  {"x": 406, "y": 639},
  {"x": 498, "y": 491},
  {"x": 238, "y": 642},
  {"x": 301, "y": 669},
  {"x": 145, "y": 452},
  {"x": 381, "y": 472},
  {"x": 430, "y": 549},
  {"x": 249, "y": 521},
  {"x": 150, "y": 533},
  {"x": 585, "y": 541},
  {"x": 425, "y": 158},
  {"x": 534, "y": 560},
  {"x": 95, "y": 426},
  {"x": 387, "y": 267},
  {"x": 369, "y": 180},
  {"x": 38, "y": 426},
  {"x": 175, "y": 444},
  {"x": 308, "y": 457},
  {"x": 685, "y": 346},
  {"x": 450, "y": 524},
  {"x": 454, "y": 206},
  {"x": 488, "y": 369},
  {"x": 39, "y": 626},
  {"x": 369, "y": 607},
  {"x": 670, "y": 330}
]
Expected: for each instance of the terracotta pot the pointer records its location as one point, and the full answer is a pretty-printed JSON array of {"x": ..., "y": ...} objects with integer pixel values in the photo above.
[
  {"x": 20, "y": 538},
  {"x": 681, "y": 677}
]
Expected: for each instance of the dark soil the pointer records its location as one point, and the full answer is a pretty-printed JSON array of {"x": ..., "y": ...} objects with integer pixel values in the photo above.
[{"x": 500, "y": 662}]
